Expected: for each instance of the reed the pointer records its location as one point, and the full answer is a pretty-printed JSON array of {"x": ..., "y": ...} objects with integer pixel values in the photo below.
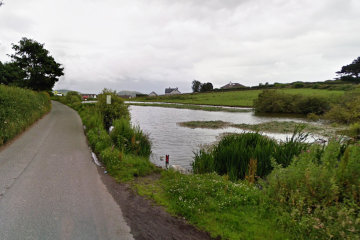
[
  {"x": 232, "y": 155},
  {"x": 130, "y": 139}
]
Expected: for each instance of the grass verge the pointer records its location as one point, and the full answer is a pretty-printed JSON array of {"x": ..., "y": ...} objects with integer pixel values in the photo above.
[
  {"x": 214, "y": 204},
  {"x": 19, "y": 108}
]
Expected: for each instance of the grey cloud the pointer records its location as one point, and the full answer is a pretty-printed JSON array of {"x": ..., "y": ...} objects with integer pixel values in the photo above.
[{"x": 152, "y": 44}]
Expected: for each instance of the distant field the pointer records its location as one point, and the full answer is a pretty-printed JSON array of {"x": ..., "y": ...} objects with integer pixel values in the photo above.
[{"x": 236, "y": 98}]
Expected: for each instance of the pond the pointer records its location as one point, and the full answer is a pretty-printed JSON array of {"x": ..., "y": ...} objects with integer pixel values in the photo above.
[{"x": 180, "y": 143}]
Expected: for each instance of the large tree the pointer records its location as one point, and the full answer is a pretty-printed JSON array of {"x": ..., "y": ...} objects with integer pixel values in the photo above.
[
  {"x": 40, "y": 69},
  {"x": 196, "y": 86},
  {"x": 11, "y": 74},
  {"x": 206, "y": 87},
  {"x": 351, "y": 72}
]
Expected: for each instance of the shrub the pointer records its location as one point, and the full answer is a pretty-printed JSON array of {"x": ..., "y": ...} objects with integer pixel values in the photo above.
[
  {"x": 354, "y": 130},
  {"x": 109, "y": 112},
  {"x": 299, "y": 85},
  {"x": 19, "y": 108},
  {"x": 312, "y": 104},
  {"x": 72, "y": 97},
  {"x": 111, "y": 157},
  {"x": 319, "y": 192},
  {"x": 347, "y": 110},
  {"x": 272, "y": 101}
]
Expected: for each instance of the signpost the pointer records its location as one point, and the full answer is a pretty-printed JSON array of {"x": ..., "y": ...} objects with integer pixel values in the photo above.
[{"x": 108, "y": 99}]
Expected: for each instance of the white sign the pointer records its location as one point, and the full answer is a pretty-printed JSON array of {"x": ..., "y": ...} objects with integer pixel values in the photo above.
[{"x": 108, "y": 99}]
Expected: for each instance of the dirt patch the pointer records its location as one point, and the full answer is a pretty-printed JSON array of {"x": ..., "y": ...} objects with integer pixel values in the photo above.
[{"x": 146, "y": 220}]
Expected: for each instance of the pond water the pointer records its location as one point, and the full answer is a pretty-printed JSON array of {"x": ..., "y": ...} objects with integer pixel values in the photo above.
[{"x": 180, "y": 143}]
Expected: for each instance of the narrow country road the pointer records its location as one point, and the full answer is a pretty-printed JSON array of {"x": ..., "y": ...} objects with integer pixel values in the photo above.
[{"x": 50, "y": 189}]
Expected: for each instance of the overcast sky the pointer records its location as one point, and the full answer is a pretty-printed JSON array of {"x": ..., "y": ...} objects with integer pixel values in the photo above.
[{"x": 147, "y": 45}]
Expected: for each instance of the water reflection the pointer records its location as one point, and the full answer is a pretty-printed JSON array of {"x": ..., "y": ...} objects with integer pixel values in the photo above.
[{"x": 180, "y": 142}]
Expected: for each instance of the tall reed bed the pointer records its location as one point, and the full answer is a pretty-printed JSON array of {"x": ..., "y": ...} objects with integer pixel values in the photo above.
[
  {"x": 232, "y": 155},
  {"x": 19, "y": 108},
  {"x": 130, "y": 139}
]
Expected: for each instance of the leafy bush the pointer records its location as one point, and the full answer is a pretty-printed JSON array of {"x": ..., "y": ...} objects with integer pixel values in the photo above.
[
  {"x": 19, "y": 108},
  {"x": 111, "y": 157},
  {"x": 72, "y": 97},
  {"x": 318, "y": 194},
  {"x": 109, "y": 112},
  {"x": 347, "y": 110},
  {"x": 272, "y": 101},
  {"x": 231, "y": 156}
]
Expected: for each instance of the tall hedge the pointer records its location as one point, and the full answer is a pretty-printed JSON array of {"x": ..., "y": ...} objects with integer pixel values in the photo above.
[{"x": 19, "y": 108}]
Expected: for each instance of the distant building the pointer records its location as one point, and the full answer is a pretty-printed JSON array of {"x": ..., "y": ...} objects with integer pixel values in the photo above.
[
  {"x": 152, "y": 94},
  {"x": 88, "y": 95},
  {"x": 125, "y": 96},
  {"x": 231, "y": 85},
  {"x": 172, "y": 91}
]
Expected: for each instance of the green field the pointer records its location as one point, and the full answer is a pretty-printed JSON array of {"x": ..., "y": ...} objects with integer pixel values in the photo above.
[{"x": 234, "y": 98}]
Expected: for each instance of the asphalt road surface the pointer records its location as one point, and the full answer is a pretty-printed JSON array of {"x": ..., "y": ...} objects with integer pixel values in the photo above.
[{"x": 49, "y": 187}]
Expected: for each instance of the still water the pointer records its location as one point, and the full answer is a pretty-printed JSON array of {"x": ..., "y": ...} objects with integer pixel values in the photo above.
[{"x": 180, "y": 143}]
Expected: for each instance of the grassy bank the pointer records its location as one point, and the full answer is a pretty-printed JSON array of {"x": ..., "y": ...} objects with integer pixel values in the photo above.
[
  {"x": 214, "y": 204},
  {"x": 316, "y": 196},
  {"x": 243, "y": 98},
  {"x": 313, "y": 194},
  {"x": 326, "y": 130},
  {"x": 126, "y": 149},
  {"x": 230, "y": 214},
  {"x": 19, "y": 108},
  {"x": 192, "y": 107}
]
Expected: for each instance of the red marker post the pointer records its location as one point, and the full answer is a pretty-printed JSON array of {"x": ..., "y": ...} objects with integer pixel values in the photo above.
[{"x": 167, "y": 161}]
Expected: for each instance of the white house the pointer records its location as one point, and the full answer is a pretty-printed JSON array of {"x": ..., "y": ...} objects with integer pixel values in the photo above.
[
  {"x": 152, "y": 94},
  {"x": 172, "y": 91}
]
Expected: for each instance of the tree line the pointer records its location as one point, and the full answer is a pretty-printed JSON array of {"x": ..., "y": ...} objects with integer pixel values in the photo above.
[
  {"x": 31, "y": 66},
  {"x": 197, "y": 86}
]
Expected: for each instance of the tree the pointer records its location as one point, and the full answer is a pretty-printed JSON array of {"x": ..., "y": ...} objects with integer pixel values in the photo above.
[
  {"x": 206, "y": 87},
  {"x": 351, "y": 72},
  {"x": 11, "y": 74},
  {"x": 40, "y": 69},
  {"x": 196, "y": 86}
]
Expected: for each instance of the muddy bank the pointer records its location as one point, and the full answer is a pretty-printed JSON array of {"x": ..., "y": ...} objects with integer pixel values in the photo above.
[{"x": 146, "y": 220}]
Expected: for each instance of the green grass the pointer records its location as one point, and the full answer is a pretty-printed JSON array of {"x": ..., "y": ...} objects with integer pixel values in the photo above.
[
  {"x": 243, "y": 98},
  {"x": 214, "y": 204},
  {"x": 125, "y": 152},
  {"x": 19, "y": 108},
  {"x": 192, "y": 107}
]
